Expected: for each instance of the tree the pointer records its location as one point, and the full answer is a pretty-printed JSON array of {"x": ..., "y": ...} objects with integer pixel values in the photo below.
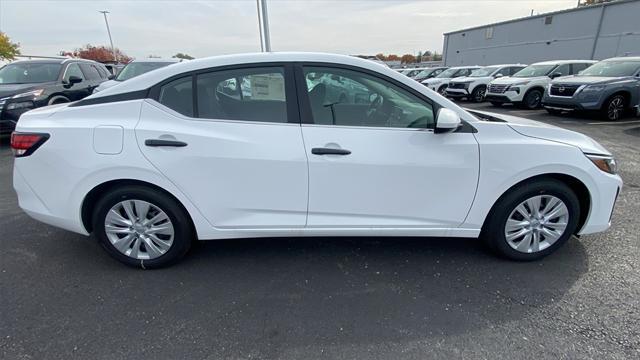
[
  {"x": 393, "y": 57},
  {"x": 97, "y": 53},
  {"x": 381, "y": 56},
  {"x": 407, "y": 59},
  {"x": 437, "y": 57},
  {"x": 8, "y": 50},
  {"x": 183, "y": 56}
]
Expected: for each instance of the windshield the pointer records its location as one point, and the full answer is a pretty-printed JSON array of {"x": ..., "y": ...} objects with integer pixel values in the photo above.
[
  {"x": 448, "y": 73},
  {"x": 487, "y": 71},
  {"x": 27, "y": 73},
  {"x": 138, "y": 68},
  {"x": 612, "y": 68},
  {"x": 426, "y": 72},
  {"x": 412, "y": 73},
  {"x": 535, "y": 70}
]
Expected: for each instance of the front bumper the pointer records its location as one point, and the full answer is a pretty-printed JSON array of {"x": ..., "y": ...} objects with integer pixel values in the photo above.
[
  {"x": 602, "y": 203},
  {"x": 457, "y": 93},
  {"x": 509, "y": 96},
  {"x": 568, "y": 103}
]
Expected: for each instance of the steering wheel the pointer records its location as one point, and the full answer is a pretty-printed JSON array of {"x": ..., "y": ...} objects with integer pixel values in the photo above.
[{"x": 375, "y": 106}]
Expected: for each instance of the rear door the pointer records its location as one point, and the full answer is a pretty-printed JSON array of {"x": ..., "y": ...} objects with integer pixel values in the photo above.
[
  {"x": 231, "y": 141},
  {"x": 378, "y": 163}
]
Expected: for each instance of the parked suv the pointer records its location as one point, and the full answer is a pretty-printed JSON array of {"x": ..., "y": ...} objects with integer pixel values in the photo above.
[
  {"x": 440, "y": 82},
  {"x": 527, "y": 86},
  {"x": 611, "y": 86},
  {"x": 29, "y": 84},
  {"x": 429, "y": 73},
  {"x": 474, "y": 86},
  {"x": 135, "y": 68}
]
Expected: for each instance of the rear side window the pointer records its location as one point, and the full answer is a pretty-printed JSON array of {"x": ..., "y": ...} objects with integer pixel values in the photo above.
[
  {"x": 256, "y": 94},
  {"x": 90, "y": 72},
  {"x": 178, "y": 95}
]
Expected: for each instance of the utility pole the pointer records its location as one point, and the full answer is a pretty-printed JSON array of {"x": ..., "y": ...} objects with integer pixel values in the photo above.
[
  {"x": 113, "y": 49},
  {"x": 263, "y": 23}
]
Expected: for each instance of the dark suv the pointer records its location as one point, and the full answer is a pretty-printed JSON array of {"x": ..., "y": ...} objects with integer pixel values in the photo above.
[
  {"x": 29, "y": 84},
  {"x": 611, "y": 86}
]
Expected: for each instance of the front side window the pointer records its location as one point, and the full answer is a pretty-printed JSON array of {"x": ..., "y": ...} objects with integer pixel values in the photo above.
[
  {"x": 178, "y": 95},
  {"x": 73, "y": 70},
  {"x": 352, "y": 98},
  {"x": 26, "y": 73},
  {"x": 563, "y": 70},
  {"x": 256, "y": 94},
  {"x": 90, "y": 71}
]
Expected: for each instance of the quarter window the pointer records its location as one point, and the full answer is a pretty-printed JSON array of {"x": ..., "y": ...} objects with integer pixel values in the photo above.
[
  {"x": 178, "y": 95},
  {"x": 351, "y": 98},
  {"x": 73, "y": 70},
  {"x": 256, "y": 94}
]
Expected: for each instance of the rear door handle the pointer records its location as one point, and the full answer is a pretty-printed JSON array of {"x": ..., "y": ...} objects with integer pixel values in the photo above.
[
  {"x": 329, "y": 151},
  {"x": 162, "y": 142}
]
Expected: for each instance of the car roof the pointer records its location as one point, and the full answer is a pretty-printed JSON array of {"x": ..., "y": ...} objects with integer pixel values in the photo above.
[
  {"x": 562, "y": 62},
  {"x": 624, "y": 58},
  {"x": 501, "y": 65},
  {"x": 149, "y": 79},
  {"x": 156, "y": 60}
]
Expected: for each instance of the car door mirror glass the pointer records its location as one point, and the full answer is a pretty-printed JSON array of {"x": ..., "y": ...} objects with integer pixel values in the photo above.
[
  {"x": 447, "y": 121},
  {"x": 74, "y": 80},
  {"x": 555, "y": 75},
  {"x": 499, "y": 75}
]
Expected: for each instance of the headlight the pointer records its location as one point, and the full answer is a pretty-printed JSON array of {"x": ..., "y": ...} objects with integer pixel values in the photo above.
[
  {"x": 593, "y": 88},
  {"x": 20, "y": 105},
  {"x": 32, "y": 93},
  {"x": 604, "y": 162}
]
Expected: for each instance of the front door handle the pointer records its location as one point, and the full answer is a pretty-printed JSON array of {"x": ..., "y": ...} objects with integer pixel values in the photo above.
[
  {"x": 329, "y": 151},
  {"x": 162, "y": 142}
]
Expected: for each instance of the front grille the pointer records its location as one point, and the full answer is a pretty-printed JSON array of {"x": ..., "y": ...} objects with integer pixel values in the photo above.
[
  {"x": 563, "y": 90},
  {"x": 497, "y": 89},
  {"x": 2, "y": 102},
  {"x": 457, "y": 86}
]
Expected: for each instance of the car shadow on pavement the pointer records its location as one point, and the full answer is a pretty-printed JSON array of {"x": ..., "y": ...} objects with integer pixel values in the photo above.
[{"x": 238, "y": 298}]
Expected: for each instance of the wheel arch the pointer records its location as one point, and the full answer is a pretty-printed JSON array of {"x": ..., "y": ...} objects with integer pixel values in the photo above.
[
  {"x": 56, "y": 96},
  {"x": 624, "y": 92},
  {"x": 579, "y": 188},
  {"x": 94, "y": 195}
]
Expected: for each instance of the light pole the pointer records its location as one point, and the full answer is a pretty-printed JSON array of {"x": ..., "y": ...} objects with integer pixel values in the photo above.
[
  {"x": 263, "y": 23},
  {"x": 115, "y": 56}
]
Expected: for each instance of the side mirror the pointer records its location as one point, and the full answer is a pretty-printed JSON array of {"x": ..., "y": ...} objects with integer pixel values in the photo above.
[
  {"x": 555, "y": 75},
  {"x": 447, "y": 120},
  {"x": 498, "y": 75},
  {"x": 74, "y": 80},
  {"x": 111, "y": 77}
]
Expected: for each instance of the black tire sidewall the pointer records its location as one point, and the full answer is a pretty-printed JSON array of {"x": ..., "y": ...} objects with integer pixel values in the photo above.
[
  {"x": 607, "y": 103},
  {"x": 525, "y": 100},
  {"x": 493, "y": 231},
  {"x": 474, "y": 94},
  {"x": 183, "y": 228}
]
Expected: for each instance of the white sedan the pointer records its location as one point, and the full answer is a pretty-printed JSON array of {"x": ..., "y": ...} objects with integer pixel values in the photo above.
[{"x": 250, "y": 146}]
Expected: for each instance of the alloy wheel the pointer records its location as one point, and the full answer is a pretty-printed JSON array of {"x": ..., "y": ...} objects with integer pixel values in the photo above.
[
  {"x": 536, "y": 223},
  {"x": 615, "y": 108},
  {"x": 479, "y": 95},
  {"x": 139, "y": 229}
]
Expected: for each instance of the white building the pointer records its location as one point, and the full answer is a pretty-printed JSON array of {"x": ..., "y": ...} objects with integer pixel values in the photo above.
[{"x": 590, "y": 32}]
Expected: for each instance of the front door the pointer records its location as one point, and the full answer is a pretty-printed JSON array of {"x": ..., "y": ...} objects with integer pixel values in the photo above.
[
  {"x": 236, "y": 151},
  {"x": 374, "y": 160}
]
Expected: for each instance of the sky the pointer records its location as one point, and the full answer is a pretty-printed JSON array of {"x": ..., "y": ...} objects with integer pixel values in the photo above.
[{"x": 206, "y": 28}]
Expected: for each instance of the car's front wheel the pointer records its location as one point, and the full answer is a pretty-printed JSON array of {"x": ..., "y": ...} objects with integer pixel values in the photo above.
[
  {"x": 532, "y": 220},
  {"x": 142, "y": 227},
  {"x": 442, "y": 90},
  {"x": 613, "y": 109},
  {"x": 532, "y": 99},
  {"x": 478, "y": 94}
]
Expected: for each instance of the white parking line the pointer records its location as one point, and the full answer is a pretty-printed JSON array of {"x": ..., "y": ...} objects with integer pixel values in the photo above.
[{"x": 615, "y": 122}]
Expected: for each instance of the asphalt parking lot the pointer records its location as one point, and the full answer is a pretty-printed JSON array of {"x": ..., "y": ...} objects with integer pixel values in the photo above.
[{"x": 62, "y": 297}]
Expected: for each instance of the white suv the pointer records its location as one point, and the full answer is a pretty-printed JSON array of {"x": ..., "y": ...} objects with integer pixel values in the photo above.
[
  {"x": 474, "y": 86},
  {"x": 440, "y": 82},
  {"x": 527, "y": 86}
]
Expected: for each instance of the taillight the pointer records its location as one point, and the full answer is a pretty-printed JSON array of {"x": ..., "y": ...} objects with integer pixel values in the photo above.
[{"x": 24, "y": 144}]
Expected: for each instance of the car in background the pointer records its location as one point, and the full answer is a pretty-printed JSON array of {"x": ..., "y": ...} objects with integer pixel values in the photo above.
[
  {"x": 611, "y": 86},
  {"x": 474, "y": 86},
  {"x": 166, "y": 158},
  {"x": 526, "y": 87},
  {"x": 413, "y": 72},
  {"x": 429, "y": 73},
  {"x": 440, "y": 82},
  {"x": 30, "y": 84},
  {"x": 136, "y": 68}
]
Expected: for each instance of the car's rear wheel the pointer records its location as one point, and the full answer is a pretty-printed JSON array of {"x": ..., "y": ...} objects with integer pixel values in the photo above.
[
  {"x": 613, "y": 109},
  {"x": 532, "y": 220},
  {"x": 478, "y": 94},
  {"x": 142, "y": 227},
  {"x": 532, "y": 99}
]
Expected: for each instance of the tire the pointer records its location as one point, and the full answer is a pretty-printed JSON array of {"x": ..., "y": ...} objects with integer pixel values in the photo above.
[
  {"x": 477, "y": 95},
  {"x": 147, "y": 248},
  {"x": 613, "y": 109},
  {"x": 553, "y": 111},
  {"x": 57, "y": 100},
  {"x": 514, "y": 247},
  {"x": 442, "y": 90},
  {"x": 532, "y": 99},
  {"x": 495, "y": 103}
]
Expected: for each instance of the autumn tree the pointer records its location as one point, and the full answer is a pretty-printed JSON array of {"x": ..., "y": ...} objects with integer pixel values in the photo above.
[
  {"x": 393, "y": 57},
  {"x": 97, "y": 53},
  {"x": 8, "y": 50},
  {"x": 381, "y": 56},
  {"x": 407, "y": 59},
  {"x": 183, "y": 56}
]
